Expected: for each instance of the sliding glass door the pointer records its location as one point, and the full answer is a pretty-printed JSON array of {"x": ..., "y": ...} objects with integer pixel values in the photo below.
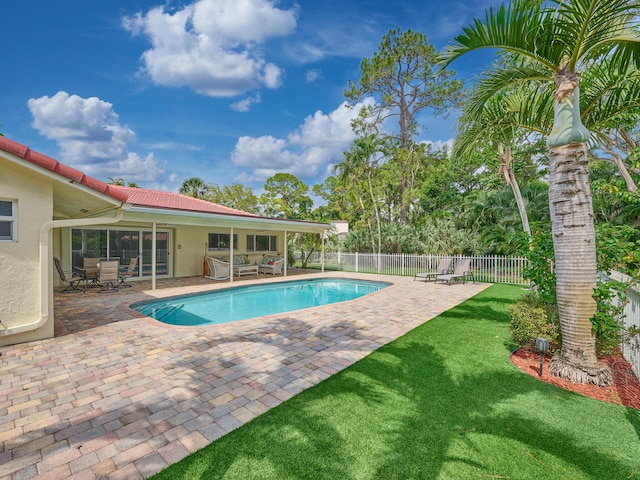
[
  {"x": 162, "y": 253},
  {"x": 123, "y": 245}
]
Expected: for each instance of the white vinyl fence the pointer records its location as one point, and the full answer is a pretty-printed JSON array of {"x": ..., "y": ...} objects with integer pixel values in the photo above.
[
  {"x": 631, "y": 350},
  {"x": 493, "y": 269}
]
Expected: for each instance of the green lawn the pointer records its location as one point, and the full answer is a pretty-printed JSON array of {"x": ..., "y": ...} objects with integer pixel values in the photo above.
[{"x": 442, "y": 402}]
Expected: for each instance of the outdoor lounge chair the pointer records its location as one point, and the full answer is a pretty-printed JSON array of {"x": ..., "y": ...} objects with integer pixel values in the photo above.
[
  {"x": 218, "y": 270},
  {"x": 461, "y": 271},
  {"x": 72, "y": 282},
  {"x": 128, "y": 273},
  {"x": 108, "y": 275},
  {"x": 274, "y": 267},
  {"x": 444, "y": 264}
]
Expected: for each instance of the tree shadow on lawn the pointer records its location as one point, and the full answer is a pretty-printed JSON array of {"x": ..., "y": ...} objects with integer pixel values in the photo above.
[{"x": 408, "y": 411}]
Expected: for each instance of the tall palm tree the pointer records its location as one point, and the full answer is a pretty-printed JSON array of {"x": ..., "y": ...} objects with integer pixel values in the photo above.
[
  {"x": 506, "y": 119},
  {"x": 557, "y": 42},
  {"x": 365, "y": 156}
]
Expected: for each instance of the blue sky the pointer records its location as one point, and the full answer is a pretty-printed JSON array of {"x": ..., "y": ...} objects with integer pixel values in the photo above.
[{"x": 225, "y": 90}]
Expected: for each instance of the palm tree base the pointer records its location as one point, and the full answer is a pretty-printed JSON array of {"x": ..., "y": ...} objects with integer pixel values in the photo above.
[{"x": 600, "y": 375}]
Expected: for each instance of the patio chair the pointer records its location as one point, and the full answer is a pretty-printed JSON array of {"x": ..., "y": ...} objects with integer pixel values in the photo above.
[
  {"x": 90, "y": 268},
  {"x": 108, "y": 275},
  {"x": 444, "y": 264},
  {"x": 72, "y": 282},
  {"x": 274, "y": 267},
  {"x": 461, "y": 271},
  {"x": 127, "y": 273},
  {"x": 218, "y": 270}
]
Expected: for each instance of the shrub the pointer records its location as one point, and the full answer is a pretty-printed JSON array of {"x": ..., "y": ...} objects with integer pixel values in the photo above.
[{"x": 532, "y": 317}]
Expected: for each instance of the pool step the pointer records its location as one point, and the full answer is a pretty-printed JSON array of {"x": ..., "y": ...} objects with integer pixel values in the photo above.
[{"x": 161, "y": 312}]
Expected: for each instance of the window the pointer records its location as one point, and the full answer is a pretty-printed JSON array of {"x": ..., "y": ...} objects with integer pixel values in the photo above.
[
  {"x": 262, "y": 243},
  {"x": 8, "y": 220},
  {"x": 221, "y": 241}
]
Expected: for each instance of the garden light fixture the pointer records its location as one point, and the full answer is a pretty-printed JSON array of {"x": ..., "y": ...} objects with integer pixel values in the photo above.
[{"x": 542, "y": 344}]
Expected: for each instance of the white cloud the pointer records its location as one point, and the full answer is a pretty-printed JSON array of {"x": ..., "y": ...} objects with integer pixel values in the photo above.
[
  {"x": 213, "y": 46},
  {"x": 91, "y": 138},
  {"x": 313, "y": 75},
  {"x": 309, "y": 151},
  {"x": 245, "y": 104}
]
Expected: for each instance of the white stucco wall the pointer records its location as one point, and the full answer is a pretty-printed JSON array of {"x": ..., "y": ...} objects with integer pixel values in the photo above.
[{"x": 19, "y": 261}]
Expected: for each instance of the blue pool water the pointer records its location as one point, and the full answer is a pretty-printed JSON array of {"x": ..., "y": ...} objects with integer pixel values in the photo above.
[{"x": 250, "y": 301}]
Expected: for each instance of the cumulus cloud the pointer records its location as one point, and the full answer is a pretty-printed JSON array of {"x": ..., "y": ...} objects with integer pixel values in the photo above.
[
  {"x": 91, "y": 138},
  {"x": 310, "y": 150},
  {"x": 213, "y": 46},
  {"x": 245, "y": 104}
]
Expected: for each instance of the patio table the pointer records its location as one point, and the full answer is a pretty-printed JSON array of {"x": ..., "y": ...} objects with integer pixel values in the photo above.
[{"x": 246, "y": 270}]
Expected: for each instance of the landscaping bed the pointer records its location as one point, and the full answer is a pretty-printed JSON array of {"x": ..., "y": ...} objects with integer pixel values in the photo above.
[{"x": 624, "y": 391}]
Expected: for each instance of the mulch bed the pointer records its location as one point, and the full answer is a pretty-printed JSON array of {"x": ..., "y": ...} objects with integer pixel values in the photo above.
[{"x": 624, "y": 391}]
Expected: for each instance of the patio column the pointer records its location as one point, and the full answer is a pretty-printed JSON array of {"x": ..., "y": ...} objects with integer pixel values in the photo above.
[
  {"x": 153, "y": 256},
  {"x": 322, "y": 254},
  {"x": 231, "y": 256},
  {"x": 286, "y": 254}
]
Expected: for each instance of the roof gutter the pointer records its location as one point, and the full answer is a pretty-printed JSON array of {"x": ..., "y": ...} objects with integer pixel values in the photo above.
[
  {"x": 45, "y": 265},
  {"x": 282, "y": 222}
]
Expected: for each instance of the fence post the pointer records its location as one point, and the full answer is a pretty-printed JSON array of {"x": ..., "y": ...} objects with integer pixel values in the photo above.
[
  {"x": 339, "y": 268},
  {"x": 356, "y": 262}
]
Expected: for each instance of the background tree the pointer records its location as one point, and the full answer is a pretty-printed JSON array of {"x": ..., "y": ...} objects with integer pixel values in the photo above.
[
  {"x": 557, "y": 42},
  {"x": 285, "y": 196},
  {"x": 236, "y": 196},
  {"x": 122, "y": 182},
  {"x": 403, "y": 81},
  {"x": 506, "y": 120},
  {"x": 193, "y": 187}
]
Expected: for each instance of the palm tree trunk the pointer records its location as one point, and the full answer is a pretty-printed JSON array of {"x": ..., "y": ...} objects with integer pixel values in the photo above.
[
  {"x": 375, "y": 209},
  {"x": 509, "y": 177},
  {"x": 575, "y": 260}
]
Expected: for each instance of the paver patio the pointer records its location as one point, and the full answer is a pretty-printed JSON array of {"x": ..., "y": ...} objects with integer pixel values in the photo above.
[{"x": 120, "y": 396}]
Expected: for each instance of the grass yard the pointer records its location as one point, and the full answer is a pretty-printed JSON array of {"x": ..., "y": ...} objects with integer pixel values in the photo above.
[{"x": 442, "y": 402}]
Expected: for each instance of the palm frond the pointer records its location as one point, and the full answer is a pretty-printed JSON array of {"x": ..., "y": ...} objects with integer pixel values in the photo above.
[
  {"x": 519, "y": 29},
  {"x": 610, "y": 95},
  {"x": 507, "y": 78},
  {"x": 594, "y": 28},
  {"x": 580, "y": 30},
  {"x": 505, "y": 118}
]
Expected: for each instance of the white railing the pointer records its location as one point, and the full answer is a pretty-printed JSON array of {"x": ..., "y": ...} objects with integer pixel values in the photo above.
[
  {"x": 631, "y": 349},
  {"x": 493, "y": 269}
]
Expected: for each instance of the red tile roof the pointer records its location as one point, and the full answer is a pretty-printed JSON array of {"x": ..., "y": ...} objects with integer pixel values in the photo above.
[
  {"x": 55, "y": 166},
  {"x": 136, "y": 196},
  {"x": 142, "y": 197}
]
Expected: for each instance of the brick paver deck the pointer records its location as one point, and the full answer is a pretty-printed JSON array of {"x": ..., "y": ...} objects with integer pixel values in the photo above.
[{"x": 119, "y": 396}]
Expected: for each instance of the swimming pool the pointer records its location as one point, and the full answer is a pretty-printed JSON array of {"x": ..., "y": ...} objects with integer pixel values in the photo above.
[{"x": 239, "y": 303}]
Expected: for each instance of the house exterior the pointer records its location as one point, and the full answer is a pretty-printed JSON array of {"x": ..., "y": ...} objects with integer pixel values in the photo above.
[
  {"x": 341, "y": 228},
  {"x": 49, "y": 209}
]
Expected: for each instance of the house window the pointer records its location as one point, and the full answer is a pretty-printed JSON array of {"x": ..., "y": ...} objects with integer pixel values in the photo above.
[
  {"x": 221, "y": 241},
  {"x": 8, "y": 220},
  {"x": 262, "y": 243}
]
